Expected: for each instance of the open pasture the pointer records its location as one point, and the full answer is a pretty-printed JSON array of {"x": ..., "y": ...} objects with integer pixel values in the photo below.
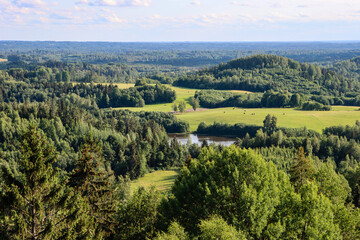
[
  {"x": 287, "y": 117},
  {"x": 182, "y": 94}
]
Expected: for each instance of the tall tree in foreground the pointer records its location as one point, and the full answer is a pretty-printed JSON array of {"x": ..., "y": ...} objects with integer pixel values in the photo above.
[
  {"x": 92, "y": 180},
  {"x": 36, "y": 205},
  {"x": 235, "y": 184}
]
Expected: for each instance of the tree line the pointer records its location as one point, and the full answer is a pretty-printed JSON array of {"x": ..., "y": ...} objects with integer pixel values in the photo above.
[{"x": 261, "y": 73}]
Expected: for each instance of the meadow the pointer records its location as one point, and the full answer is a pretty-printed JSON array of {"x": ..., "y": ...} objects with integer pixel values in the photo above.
[
  {"x": 182, "y": 94},
  {"x": 287, "y": 117},
  {"x": 161, "y": 180}
]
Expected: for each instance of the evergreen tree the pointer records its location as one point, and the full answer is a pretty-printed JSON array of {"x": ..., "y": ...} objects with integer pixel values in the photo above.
[
  {"x": 302, "y": 170},
  {"x": 36, "y": 205},
  {"x": 91, "y": 179}
]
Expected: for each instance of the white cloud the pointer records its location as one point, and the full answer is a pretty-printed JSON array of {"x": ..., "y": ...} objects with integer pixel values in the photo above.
[
  {"x": 116, "y": 3},
  {"x": 29, "y": 3},
  {"x": 244, "y": 4},
  {"x": 196, "y": 3},
  {"x": 235, "y": 13},
  {"x": 112, "y": 17}
]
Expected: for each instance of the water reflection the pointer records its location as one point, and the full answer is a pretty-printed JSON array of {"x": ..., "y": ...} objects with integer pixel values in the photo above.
[{"x": 198, "y": 139}]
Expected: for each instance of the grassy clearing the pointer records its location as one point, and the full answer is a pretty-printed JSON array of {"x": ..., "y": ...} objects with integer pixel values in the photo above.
[
  {"x": 182, "y": 94},
  {"x": 287, "y": 117},
  {"x": 121, "y": 85},
  {"x": 161, "y": 180}
]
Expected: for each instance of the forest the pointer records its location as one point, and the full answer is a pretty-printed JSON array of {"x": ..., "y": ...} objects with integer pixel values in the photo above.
[{"x": 69, "y": 154}]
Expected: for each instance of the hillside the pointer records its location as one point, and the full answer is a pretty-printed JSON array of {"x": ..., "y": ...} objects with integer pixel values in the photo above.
[
  {"x": 349, "y": 68},
  {"x": 260, "y": 73}
]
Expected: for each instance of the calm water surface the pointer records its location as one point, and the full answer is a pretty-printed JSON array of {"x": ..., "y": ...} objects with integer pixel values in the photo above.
[{"x": 198, "y": 139}]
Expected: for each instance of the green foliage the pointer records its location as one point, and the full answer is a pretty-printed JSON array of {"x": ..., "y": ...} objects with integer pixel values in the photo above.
[
  {"x": 270, "y": 123},
  {"x": 174, "y": 232},
  {"x": 302, "y": 170},
  {"x": 92, "y": 181},
  {"x": 306, "y": 215},
  {"x": 37, "y": 204},
  {"x": 137, "y": 216},
  {"x": 182, "y": 106},
  {"x": 348, "y": 219},
  {"x": 260, "y": 73},
  {"x": 194, "y": 102},
  {"x": 332, "y": 185},
  {"x": 175, "y": 107},
  {"x": 216, "y": 99},
  {"x": 216, "y": 228},
  {"x": 315, "y": 106},
  {"x": 234, "y": 184}
]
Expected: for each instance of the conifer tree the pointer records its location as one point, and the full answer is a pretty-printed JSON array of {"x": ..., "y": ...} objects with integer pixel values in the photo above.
[
  {"x": 37, "y": 205},
  {"x": 92, "y": 180},
  {"x": 302, "y": 170}
]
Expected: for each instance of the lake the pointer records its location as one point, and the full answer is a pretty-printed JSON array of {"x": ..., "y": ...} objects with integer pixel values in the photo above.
[{"x": 198, "y": 139}]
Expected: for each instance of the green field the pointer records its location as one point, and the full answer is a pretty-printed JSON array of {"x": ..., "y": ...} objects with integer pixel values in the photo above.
[
  {"x": 287, "y": 117},
  {"x": 182, "y": 94},
  {"x": 161, "y": 180}
]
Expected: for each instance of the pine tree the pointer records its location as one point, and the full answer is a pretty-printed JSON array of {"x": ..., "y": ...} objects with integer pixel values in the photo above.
[
  {"x": 92, "y": 180},
  {"x": 302, "y": 170},
  {"x": 37, "y": 205}
]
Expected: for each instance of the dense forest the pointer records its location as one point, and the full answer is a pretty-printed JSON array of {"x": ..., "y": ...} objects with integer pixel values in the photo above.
[
  {"x": 277, "y": 82},
  {"x": 260, "y": 73},
  {"x": 43, "y": 84},
  {"x": 68, "y": 157},
  {"x": 175, "y": 55}
]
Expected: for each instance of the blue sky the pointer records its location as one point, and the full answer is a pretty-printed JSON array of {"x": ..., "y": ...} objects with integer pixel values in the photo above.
[{"x": 180, "y": 20}]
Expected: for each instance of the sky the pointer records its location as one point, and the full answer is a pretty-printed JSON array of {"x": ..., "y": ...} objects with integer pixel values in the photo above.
[{"x": 180, "y": 20}]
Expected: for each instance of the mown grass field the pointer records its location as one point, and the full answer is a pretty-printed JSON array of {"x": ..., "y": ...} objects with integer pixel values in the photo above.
[
  {"x": 182, "y": 94},
  {"x": 161, "y": 180},
  {"x": 287, "y": 117}
]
